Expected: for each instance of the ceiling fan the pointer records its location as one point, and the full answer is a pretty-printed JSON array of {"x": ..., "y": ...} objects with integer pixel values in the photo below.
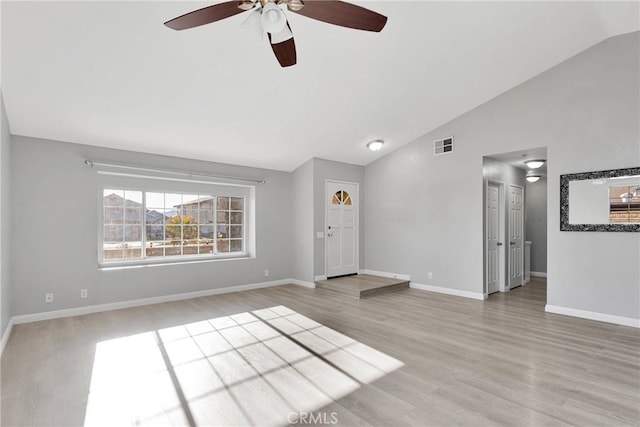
[{"x": 268, "y": 16}]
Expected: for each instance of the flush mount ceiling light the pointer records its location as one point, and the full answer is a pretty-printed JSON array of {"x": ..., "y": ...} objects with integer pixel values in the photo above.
[
  {"x": 533, "y": 178},
  {"x": 375, "y": 145},
  {"x": 534, "y": 164}
]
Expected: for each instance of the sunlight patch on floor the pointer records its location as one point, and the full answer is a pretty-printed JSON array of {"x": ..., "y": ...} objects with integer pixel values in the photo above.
[{"x": 252, "y": 368}]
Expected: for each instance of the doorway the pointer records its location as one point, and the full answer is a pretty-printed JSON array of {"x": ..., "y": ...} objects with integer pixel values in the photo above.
[
  {"x": 341, "y": 244},
  {"x": 515, "y": 221}
]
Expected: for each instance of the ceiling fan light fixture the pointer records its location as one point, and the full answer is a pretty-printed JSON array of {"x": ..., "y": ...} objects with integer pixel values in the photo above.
[
  {"x": 254, "y": 21},
  {"x": 282, "y": 36},
  {"x": 273, "y": 19},
  {"x": 295, "y": 5},
  {"x": 534, "y": 164},
  {"x": 375, "y": 145},
  {"x": 533, "y": 178},
  {"x": 246, "y": 4}
]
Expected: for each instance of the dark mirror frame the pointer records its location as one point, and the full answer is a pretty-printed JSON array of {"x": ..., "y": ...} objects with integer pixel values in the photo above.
[{"x": 564, "y": 200}]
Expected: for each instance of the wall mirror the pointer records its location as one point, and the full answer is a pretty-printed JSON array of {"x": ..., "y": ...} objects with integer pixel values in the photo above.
[{"x": 600, "y": 201}]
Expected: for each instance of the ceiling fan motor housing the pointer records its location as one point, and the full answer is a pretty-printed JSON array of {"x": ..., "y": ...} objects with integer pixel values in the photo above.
[{"x": 273, "y": 19}]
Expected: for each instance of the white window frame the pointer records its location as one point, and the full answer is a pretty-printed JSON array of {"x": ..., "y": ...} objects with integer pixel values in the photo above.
[{"x": 247, "y": 192}]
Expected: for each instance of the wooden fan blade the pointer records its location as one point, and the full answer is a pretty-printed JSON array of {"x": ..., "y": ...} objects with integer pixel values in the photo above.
[
  {"x": 285, "y": 52},
  {"x": 206, "y": 15},
  {"x": 343, "y": 14}
]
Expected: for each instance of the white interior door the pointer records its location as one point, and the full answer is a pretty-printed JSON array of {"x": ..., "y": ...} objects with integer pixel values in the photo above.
[
  {"x": 342, "y": 228},
  {"x": 516, "y": 254},
  {"x": 494, "y": 243}
]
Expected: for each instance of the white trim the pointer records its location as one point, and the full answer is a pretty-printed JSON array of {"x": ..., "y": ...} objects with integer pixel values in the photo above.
[
  {"x": 385, "y": 274},
  {"x": 6, "y": 336},
  {"x": 592, "y": 315},
  {"x": 538, "y": 274},
  {"x": 35, "y": 317},
  {"x": 319, "y": 278},
  {"x": 302, "y": 283},
  {"x": 449, "y": 291}
]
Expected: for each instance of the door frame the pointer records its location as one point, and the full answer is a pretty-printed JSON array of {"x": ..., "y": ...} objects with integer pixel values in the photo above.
[
  {"x": 326, "y": 225},
  {"x": 508, "y": 206},
  {"x": 502, "y": 284}
]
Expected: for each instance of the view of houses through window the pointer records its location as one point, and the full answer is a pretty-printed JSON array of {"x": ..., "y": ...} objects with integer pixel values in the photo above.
[
  {"x": 144, "y": 224},
  {"x": 624, "y": 204}
]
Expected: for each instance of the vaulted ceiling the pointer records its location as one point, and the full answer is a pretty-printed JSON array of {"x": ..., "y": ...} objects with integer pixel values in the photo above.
[{"x": 110, "y": 74}]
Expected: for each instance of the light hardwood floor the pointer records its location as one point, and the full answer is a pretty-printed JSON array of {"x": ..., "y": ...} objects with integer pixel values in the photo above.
[{"x": 438, "y": 360}]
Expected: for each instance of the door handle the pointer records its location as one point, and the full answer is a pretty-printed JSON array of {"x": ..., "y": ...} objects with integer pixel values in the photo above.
[
  {"x": 512, "y": 243},
  {"x": 499, "y": 244}
]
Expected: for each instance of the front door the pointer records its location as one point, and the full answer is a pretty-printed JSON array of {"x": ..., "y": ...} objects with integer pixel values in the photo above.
[
  {"x": 516, "y": 255},
  {"x": 342, "y": 228},
  {"x": 494, "y": 244}
]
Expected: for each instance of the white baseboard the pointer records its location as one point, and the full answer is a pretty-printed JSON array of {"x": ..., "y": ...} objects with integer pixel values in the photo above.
[
  {"x": 449, "y": 291},
  {"x": 319, "y": 278},
  {"x": 385, "y": 274},
  {"x": 302, "y": 283},
  {"x": 592, "y": 315},
  {"x": 27, "y": 318},
  {"x": 5, "y": 336},
  {"x": 538, "y": 274}
]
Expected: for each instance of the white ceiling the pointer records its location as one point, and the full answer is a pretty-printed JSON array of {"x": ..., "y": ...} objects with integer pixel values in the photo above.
[
  {"x": 517, "y": 159},
  {"x": 110, "y": 74}
]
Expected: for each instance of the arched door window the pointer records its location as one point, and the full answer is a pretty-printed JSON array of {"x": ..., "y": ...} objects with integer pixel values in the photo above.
[{"x": 341, "y": 198}]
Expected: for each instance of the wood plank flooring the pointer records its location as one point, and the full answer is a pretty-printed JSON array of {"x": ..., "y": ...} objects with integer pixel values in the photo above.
[
  {"x": 362, "y": 285},
  {"x": 503, "y": 361}
]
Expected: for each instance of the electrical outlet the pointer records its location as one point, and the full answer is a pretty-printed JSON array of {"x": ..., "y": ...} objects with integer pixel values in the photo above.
[
  {"x": 266, "y": 272},
  {"x": 430, "y": 275},
  {"x": 48, "y": 298},
  {"x": 83, "y": 293}
]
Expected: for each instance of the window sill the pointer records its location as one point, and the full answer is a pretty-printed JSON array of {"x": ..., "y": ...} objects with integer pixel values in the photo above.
[{"x": 122, "y": 265}]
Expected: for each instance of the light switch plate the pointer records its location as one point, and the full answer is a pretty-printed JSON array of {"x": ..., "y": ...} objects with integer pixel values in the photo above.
[{"x": 320, "y": 235}]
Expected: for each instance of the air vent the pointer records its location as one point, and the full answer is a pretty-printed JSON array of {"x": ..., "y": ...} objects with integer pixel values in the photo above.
[{"x": 443, "y": 146}]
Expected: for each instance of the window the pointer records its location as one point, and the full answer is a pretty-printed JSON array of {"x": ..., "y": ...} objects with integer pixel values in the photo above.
[
  {"x": 341, "y": 198},
  {"x": 624, "y": 204},
  {"x": 147, "y": 225}
]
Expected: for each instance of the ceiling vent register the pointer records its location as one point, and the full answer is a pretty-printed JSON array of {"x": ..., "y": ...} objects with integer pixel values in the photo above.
[{"x": 443, "y": 146}]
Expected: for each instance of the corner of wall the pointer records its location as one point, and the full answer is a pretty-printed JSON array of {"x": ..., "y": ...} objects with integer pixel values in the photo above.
[{"x": 5, "y": 228}]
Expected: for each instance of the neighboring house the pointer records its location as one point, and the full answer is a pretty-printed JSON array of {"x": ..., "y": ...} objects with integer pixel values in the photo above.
[
  {"x": 624, "y": 204},
  {"x": 119, "y": 210},
  {"x": 201, "y": 211},
  {"x": 192, "y": 208}
]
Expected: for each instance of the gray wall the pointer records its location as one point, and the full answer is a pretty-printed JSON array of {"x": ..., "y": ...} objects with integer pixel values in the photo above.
[
  {"x": 322, "y": 171},
  {"x": 303, "y": 236},
  {"x": 54, "y": 213},
  {"x": 536, "y": 223},
  {"x": 585, "y": 110},
  {"x": 5, "y": 229}
]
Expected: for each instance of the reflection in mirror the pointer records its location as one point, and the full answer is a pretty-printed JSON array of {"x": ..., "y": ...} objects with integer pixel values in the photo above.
[
  {"x": 605, "y": 201},
  {"x": 600, "y": 201}
]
